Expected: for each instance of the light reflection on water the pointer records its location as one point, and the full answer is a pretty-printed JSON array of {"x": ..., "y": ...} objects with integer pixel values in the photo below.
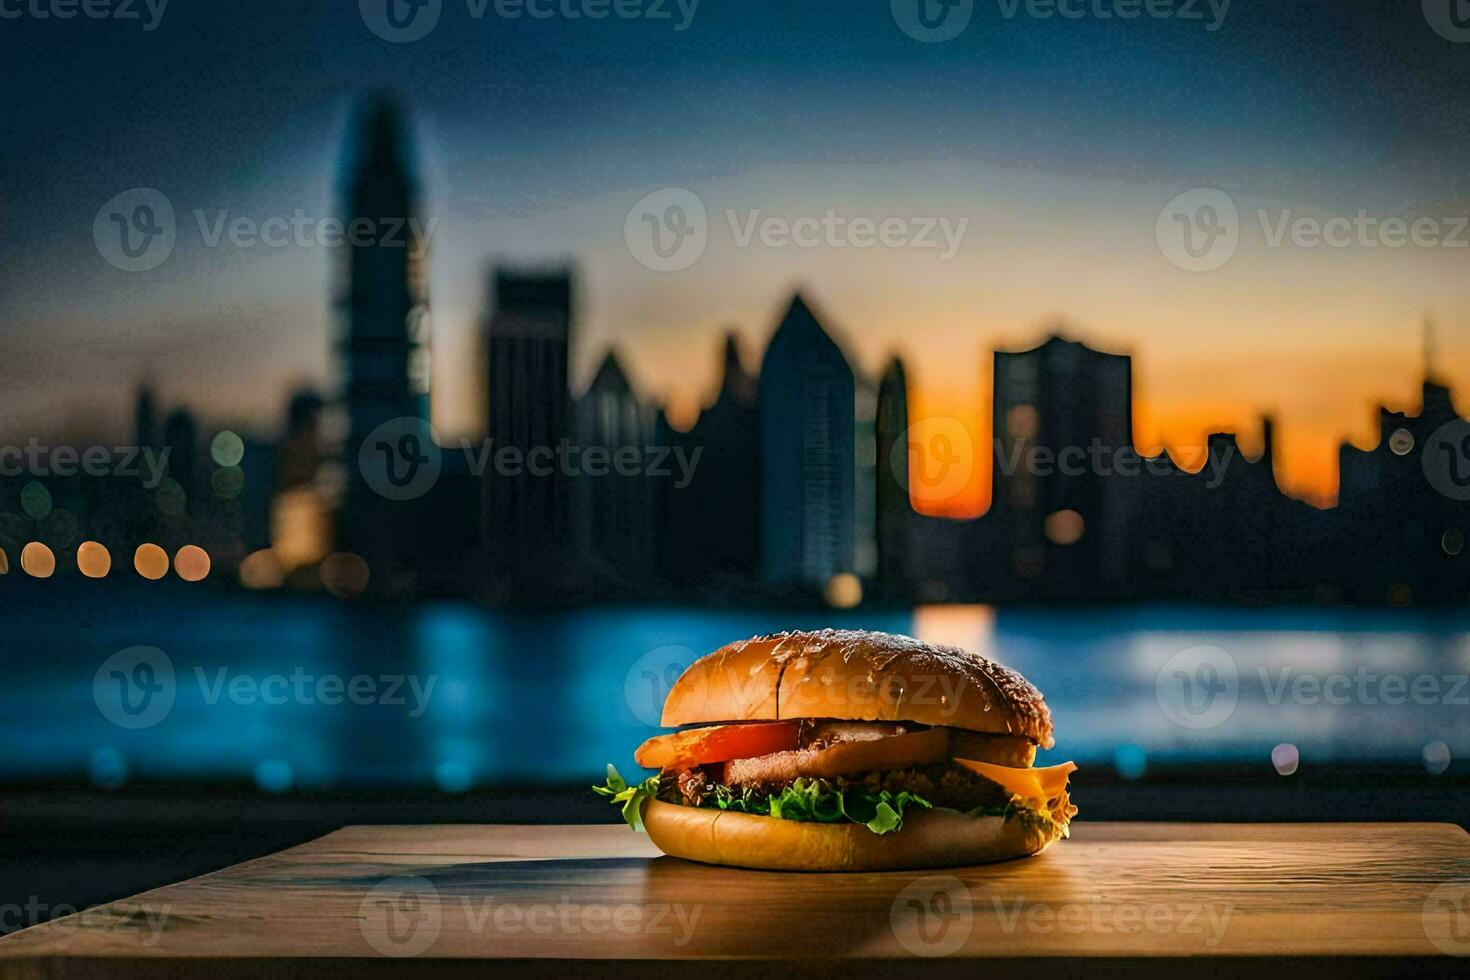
[{"x": 550, "y": 697}]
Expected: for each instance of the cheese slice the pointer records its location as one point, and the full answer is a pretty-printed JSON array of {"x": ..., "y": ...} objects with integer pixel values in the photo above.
[{"x": 1039, "y": 785}]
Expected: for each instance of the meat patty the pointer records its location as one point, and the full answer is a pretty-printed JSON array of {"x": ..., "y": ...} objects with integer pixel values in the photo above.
[{"x": 942, "y": 784}]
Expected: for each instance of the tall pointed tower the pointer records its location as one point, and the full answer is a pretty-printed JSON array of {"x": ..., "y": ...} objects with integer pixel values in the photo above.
[
  {"x": 892, "y": 476},
  {"x": 807, "y": 426},
  {"x": 382, "y": 305}
]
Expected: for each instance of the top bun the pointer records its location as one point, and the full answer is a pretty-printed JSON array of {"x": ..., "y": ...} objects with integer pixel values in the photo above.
[{"x": 857, "y": 675}]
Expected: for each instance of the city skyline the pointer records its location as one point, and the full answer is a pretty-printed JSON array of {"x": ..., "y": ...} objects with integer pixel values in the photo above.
[{"x": 527, "y": 155}]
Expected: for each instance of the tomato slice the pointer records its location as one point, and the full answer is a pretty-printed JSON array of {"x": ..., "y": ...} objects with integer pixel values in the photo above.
[{"x": 717, "y": 743}]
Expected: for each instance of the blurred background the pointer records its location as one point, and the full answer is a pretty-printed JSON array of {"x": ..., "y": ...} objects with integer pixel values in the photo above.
[{"x": 400, "y": 394}]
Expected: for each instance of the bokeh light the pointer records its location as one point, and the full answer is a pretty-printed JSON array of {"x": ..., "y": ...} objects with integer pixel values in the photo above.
[
  {"x": 274, "y": 776},
  {"x": 93, "y": 559},
  {"x": 344, "y": 575},
  {"x": 107, "y": 768},
  {"x": 844, "y": 590},
  {"x": 227, "y": 483},
  {"x": 1064, "y": 527},
  {"x": 453, "y": 776},
  {"x": 192, "y": 563},
  {"x": 1436, "y": 758},
  {"x": 260, "y": 570},
  {"x": 1286, "y": 758},
  {"x": 227, "y": 449},
  {"x": 35, "y": 500},
  {"x": 37, "y": 560},
  {"x": 171, "y": 498},
  {"x": 151, "y": 561},
  {"x": 1131, "y": 761},
  {"x": 4, "y": 562}
]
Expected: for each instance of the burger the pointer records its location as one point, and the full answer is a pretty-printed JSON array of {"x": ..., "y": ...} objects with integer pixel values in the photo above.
[{"x": 843, "y": 750}]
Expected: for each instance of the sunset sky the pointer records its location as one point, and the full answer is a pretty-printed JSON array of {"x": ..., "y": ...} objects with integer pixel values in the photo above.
[{"x": 1057, "y": 142}]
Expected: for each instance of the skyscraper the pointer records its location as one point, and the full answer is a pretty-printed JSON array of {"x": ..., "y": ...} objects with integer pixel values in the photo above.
[
  {"x": 715, "y": 555},
  {"x": 615, "y": 506},
  {"x": 385, "y": 342},
  {"x": 1064, "y": 520},
  {"x": 892, "y": 477},
  {"x": 527, "y": 508},
  {"x": 807, "y": 426}
]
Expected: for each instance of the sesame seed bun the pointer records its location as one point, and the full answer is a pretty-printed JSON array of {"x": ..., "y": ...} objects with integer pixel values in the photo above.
[{"x": 857, "y": 675}]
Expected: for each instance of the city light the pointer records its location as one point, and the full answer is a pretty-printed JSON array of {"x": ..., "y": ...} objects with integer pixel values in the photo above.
[
  {"x": 259, "y": 570},
  {"x": 37, "y": 560},
  {"x": 1064, "y": 527},
  {"x": 93, "y": 559},
  {"x": 844, "y": 591},
  {"x": 192, "y": 563},
  {"x": 151, "y": 561},
  {"x": 344, "y": 575}
]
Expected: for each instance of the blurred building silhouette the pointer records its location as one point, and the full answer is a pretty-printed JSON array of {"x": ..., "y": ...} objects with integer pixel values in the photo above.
[
  {"x": 300, "y": 528},
  {"x": 1063, "y": 521},
  {"x": 807, "y": 426},
  {"x": 893, "y": 511},
  {"x": 785, "y": 479},
  {"x": 615, "y": 498},
  {"x": 1402, "y": 540},
  {"x": 383, "y": 305},
  {"x": 710, "y": 528},
  {"x": 527, "y": 519}
]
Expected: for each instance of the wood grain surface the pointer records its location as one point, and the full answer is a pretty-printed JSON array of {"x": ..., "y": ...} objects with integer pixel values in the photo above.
[{"x": 1118, "y": 898}]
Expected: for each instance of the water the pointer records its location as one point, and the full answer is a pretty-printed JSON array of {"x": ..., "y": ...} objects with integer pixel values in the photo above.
[{"x": 551, "y": 697}]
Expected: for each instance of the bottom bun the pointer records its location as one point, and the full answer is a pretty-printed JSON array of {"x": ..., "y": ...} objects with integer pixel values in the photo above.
[{"x": 928, "y": 839}]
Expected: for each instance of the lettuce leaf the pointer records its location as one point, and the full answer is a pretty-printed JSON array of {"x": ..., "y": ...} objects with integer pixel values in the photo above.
[
  {"x": 820, "y": 801},
  {"x": 617, "y": 790}
]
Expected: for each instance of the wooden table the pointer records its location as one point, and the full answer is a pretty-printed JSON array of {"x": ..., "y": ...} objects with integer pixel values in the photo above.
[{"x": 1119, "y": 899}]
